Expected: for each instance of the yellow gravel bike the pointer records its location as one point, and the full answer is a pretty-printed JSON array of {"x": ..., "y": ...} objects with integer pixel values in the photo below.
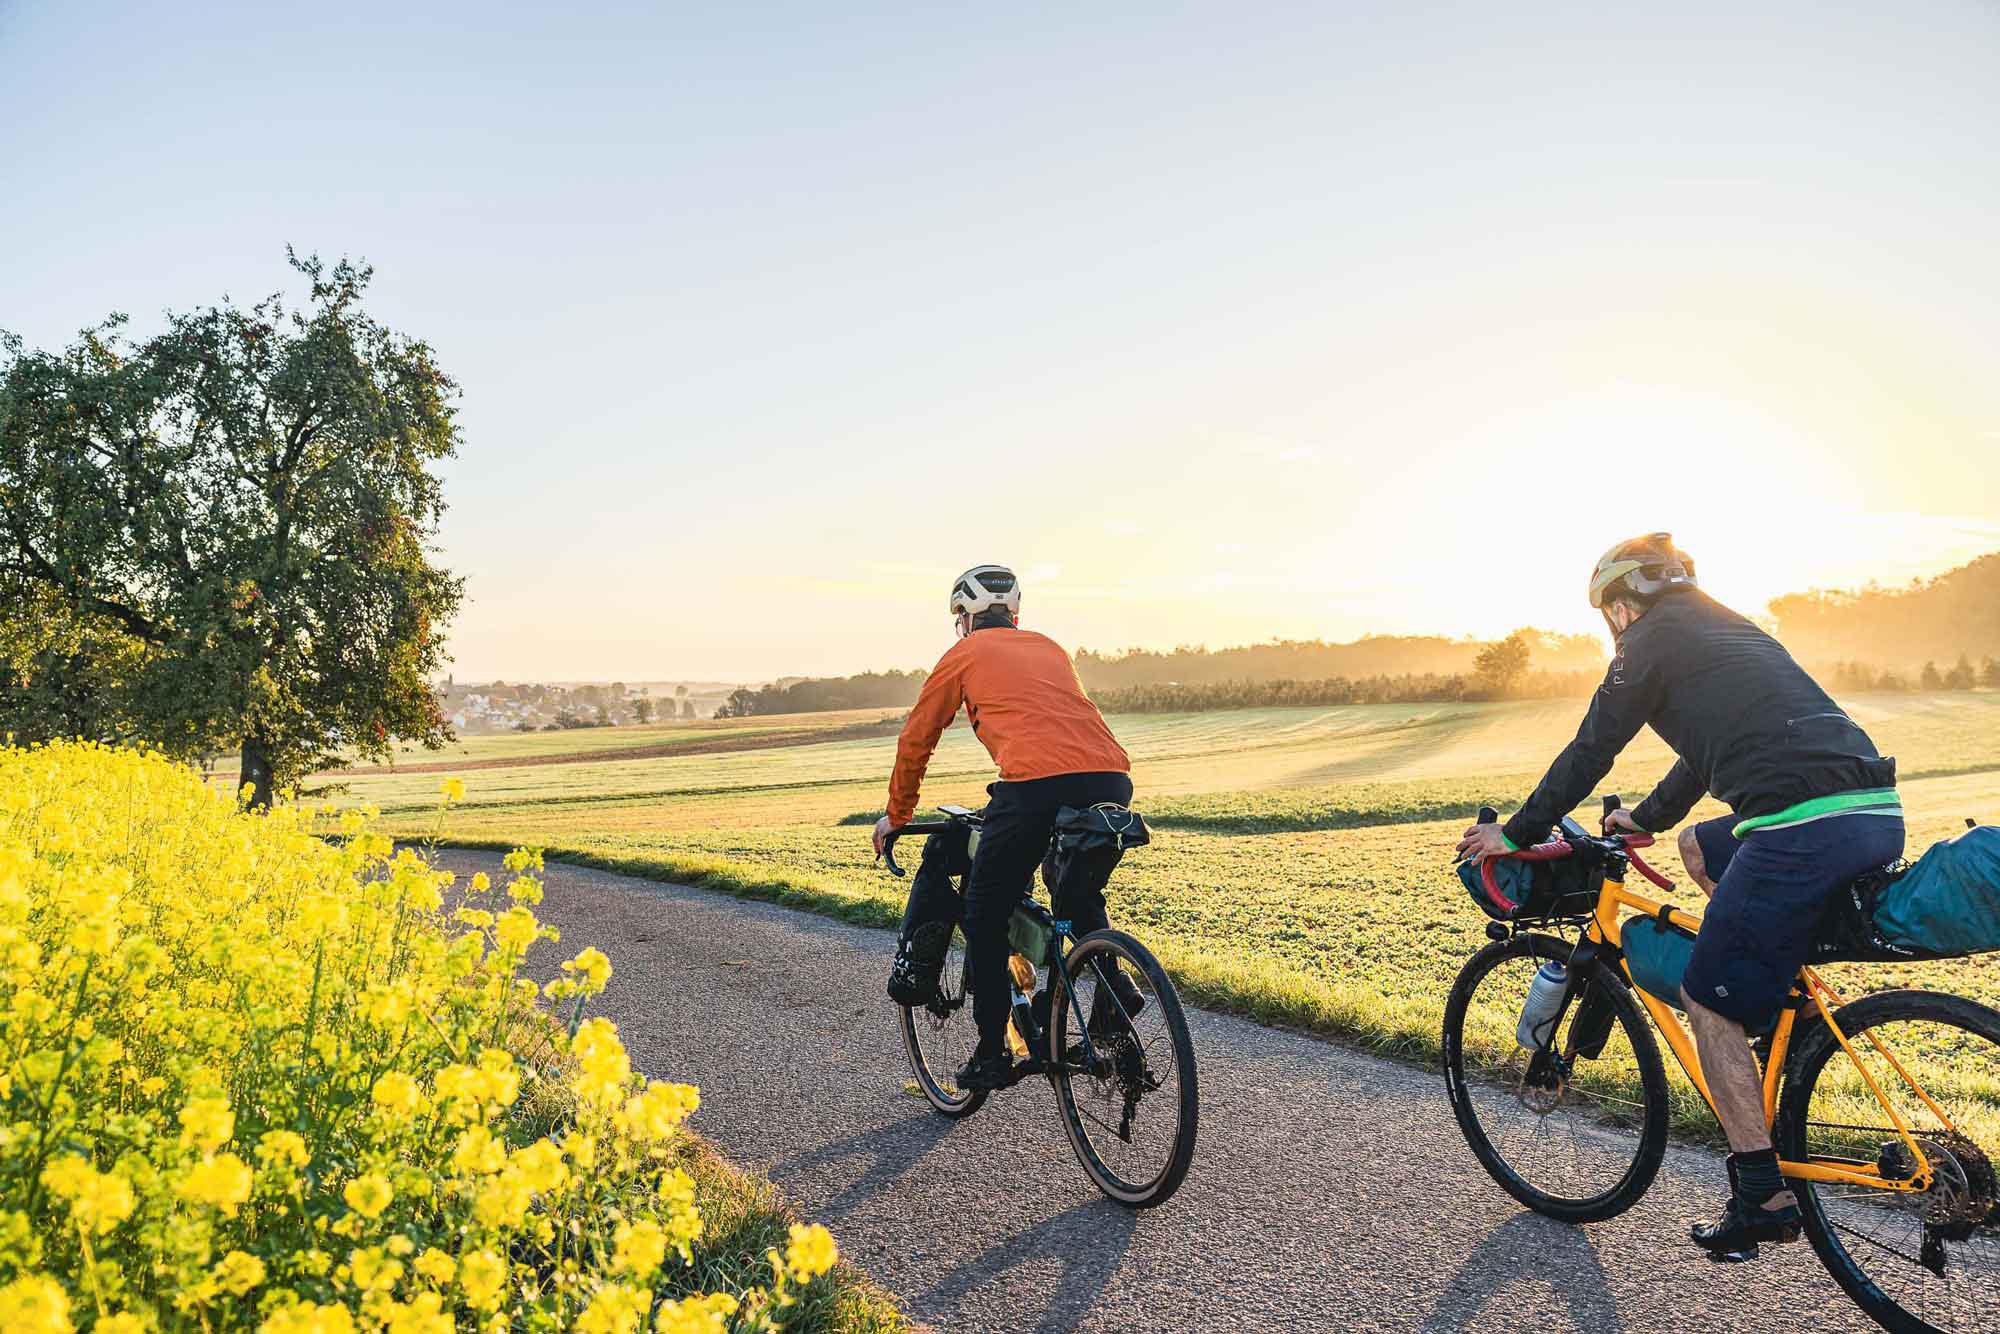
[{"x": 1885, "y": 1110}]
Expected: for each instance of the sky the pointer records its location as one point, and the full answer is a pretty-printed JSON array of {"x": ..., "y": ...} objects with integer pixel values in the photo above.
[{"x": 1217, "y": 322}]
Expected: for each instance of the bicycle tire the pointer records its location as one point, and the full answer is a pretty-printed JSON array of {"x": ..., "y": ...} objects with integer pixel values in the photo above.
[
  {"x": 1160, "y": 1187},
  {"x": 1802, "y": 1075},
  {"x": 946, "y": 1101},
  {"x": 1638, "y": 1177}
]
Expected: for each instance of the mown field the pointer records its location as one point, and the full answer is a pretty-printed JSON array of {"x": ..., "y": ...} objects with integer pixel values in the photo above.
[{"x": 1302, "y": 871}]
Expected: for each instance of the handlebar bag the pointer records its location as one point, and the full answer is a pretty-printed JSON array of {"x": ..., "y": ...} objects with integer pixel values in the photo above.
[
  {"x": 1565, "y": 887},
  {"x": 1658, "y": 957},
  {"x": 1948, "y": 902}
]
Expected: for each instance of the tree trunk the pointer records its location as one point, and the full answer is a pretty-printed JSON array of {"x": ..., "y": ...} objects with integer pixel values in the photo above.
[{"x": 257, "y": 771}]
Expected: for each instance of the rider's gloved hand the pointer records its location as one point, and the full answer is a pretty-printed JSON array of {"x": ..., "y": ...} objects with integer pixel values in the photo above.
[
  {"x": 1620, "y": 821},
  {"x": 1482, "y": 841}
]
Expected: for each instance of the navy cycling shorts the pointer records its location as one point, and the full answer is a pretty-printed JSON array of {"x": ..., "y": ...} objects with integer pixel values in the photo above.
[{"x": 1772, "y": 888}]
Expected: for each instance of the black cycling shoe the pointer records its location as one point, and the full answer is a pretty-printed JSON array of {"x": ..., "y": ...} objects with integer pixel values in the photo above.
[
  {"x": 984, "y": 1074},
  {"x": 1127, "y": 991},
  {"x": 1736, "y": 1235}
]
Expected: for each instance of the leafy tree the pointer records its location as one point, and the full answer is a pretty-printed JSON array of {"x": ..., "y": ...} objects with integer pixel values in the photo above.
[
  {"x": 680, "y": 692},
  {"x": 221, "y": 534},
  {"x": 1990, "y": 677},
  {"x": 1961, "y": 675},
  {"x": 1931, "y": 678},
  {"x": 642, "y": 709},
  {"x": 1502, "y": 664}
]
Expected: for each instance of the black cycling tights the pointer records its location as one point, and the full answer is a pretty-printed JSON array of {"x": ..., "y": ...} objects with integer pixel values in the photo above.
[{"x": 1019, "y": 819}]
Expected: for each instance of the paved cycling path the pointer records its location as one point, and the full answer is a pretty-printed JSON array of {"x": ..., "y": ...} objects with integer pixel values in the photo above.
[{"x": 1329, "y": 1186}]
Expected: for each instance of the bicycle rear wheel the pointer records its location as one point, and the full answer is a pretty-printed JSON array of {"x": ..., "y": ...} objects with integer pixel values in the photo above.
[
  {"x": 1572, "y": 1135},
  {"x": 940, "y": 1037},
  {"x": 1131, "y": 1114},
  {"x": 1913, "y": 1262}
]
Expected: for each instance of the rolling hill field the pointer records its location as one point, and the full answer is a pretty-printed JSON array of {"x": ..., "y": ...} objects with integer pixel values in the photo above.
[{"x": 1302, "y": 871}]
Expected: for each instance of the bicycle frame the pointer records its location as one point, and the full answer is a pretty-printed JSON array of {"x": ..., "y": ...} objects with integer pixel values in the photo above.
[{"x": 1605, "y": 928}]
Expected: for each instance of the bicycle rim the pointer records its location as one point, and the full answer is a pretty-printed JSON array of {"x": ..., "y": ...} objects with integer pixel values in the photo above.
[
  {"x": 1131, "y": 1118},
  {"x": 1578, "y": 1142},
  {"x": 1913, "y": 1262},
  {"x": 940, "y": 1037}
]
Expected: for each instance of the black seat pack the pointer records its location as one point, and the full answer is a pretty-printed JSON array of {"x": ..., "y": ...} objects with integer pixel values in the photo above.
[{"x": 1087, "y": 845}]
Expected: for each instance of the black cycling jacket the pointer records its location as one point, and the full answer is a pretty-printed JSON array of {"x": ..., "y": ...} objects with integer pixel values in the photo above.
[{"x": 1747, "y": 722}]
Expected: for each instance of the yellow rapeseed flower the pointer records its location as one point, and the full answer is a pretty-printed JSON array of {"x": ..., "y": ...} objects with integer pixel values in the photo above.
[
  {"x": 34, "y": 1304},
  {"x": 222, "y": 1181},
  {"x": 478, "y": 1153},
  {"x": 282, "y": 1148},
  {"x": 700, "y": 1314},
  {"x": 616, "y": 1309},
  {"x": 396, "y": 1094},
  {"x": 207, "y": 1124},
  {"x": 810, "y": 1251},
  {"x": 239, "y": 1272},
  {"x": 452, "y": 790},
  {"x": 483, "y": 1275},
  {"x": 593, "y": 970},
  {"x": 307, "y": 1318},
  {"x": 98, "y": 1201},
  {"x": 655, "y": 1114},
  {"x": 640, "y": 1249},
  {"x": 368, "y": 1194},
  {"x": 436, "y": 1266}
]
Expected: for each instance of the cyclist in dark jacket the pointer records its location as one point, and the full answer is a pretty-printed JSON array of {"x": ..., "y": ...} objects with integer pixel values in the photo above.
[{"x": 1814, "y": 806}]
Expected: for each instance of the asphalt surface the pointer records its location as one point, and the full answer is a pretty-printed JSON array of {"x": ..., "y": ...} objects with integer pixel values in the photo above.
[{"x": 1329, "y": 1187}]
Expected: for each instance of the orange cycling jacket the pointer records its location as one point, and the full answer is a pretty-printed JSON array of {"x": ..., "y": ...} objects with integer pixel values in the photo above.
[{"x": 1026, "y": 706}]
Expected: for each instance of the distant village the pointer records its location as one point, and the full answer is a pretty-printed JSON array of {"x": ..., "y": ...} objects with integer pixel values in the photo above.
[{"x": 484, "y": 708}]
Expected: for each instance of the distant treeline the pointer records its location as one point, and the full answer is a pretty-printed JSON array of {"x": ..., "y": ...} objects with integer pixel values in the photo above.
[
  {"x": 1412, "y": 688},
  {"x": 1313, "y": 660},
  {"x": 1310, "y": 671},
  {"x": 1852, "y": 677},
  {"x": 869, "y": 690},
  {"x": 1956, "y": 614}
]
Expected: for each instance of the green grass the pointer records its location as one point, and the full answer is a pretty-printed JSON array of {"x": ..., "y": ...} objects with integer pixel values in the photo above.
[{"x": 1301, "y": 873}]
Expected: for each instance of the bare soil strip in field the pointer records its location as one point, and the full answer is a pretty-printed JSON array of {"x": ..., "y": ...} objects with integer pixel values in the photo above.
[{"x": 715, "y": 746}]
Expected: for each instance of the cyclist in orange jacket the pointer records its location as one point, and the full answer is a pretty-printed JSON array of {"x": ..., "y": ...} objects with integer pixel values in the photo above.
[{"x": 1024, "y": 702}]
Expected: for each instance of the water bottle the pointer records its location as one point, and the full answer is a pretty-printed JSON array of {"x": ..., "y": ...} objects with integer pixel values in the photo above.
[
  {"x": 1544, "y": 1000},
  {"x": 1024, "y": 1029}
]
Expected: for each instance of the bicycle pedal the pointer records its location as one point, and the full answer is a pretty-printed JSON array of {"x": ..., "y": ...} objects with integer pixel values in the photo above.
[
  {"x": 1738, "y": 1257},
  {"x": 1025, "y": 1069}
]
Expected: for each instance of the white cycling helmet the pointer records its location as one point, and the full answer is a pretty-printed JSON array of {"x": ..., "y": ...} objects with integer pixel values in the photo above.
[{"x": 984, "y": 587}]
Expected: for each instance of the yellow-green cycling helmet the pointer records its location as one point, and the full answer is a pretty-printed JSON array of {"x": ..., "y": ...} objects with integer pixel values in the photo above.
[{"x": 1641, "y": 568}]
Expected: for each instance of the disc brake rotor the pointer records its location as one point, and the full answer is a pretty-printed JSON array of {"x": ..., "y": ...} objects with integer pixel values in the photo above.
[{"x": 1964, "y": 1189}]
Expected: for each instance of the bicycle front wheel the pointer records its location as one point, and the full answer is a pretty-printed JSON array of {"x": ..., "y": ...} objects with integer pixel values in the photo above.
[
  {"x": 1129, "y": 1100},
  {"x": 940, "y": 1037},
  {"x": 1913, "y": 1261},
  {"x": 1578, "y": 1131}
]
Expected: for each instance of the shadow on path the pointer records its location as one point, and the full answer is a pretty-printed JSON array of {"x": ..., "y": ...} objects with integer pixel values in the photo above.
[
  {"x": 1553, "y": 1257},
  {"x": 891, "y": 1151},
  {"x": 1088, "y": 1241}
]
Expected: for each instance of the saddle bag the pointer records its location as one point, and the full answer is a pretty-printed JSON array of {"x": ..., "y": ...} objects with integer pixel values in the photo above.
[
  {"x": 1947, "y": 902},
  {"x": 1087, "y": 846}
]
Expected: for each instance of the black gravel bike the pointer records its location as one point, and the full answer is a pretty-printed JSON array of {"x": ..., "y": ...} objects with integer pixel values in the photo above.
[{"x": 1124, "y": 1076}]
